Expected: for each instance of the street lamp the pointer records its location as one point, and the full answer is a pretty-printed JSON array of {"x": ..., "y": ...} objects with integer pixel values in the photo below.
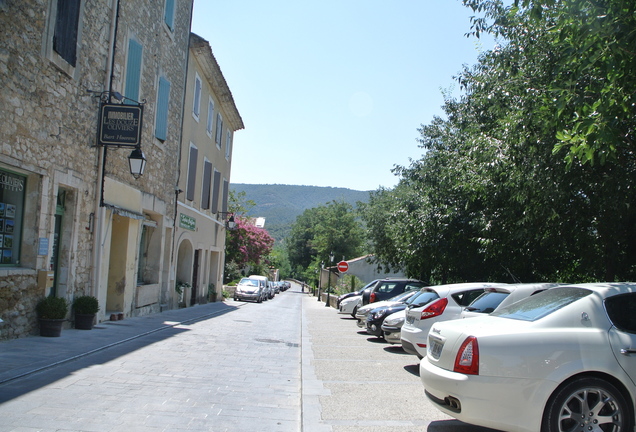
[
  {"x": 137, "y": 162},
  {"x": 322, "y": 269},
  {"x": 329, "y": 279},
  {"x": 231, "y": 223}
]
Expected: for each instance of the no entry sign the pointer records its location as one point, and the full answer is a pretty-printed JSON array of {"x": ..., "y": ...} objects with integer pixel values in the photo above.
[{"x": 343, "y": 266}]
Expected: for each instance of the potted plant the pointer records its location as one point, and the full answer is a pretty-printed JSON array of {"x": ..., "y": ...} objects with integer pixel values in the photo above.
[
  {"x": 85, "y": 308},
  {"x": 52, "y": 314}
]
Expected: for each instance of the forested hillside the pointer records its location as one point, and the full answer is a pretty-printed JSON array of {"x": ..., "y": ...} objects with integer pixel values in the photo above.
[{"x": 281, "y": 204}]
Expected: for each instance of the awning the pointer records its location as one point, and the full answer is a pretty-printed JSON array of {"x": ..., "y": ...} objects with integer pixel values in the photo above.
[{"x": 125, "y": 213}]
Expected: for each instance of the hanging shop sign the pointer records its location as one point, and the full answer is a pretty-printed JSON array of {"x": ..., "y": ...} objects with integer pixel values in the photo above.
[{"x": 120, "y": 125}]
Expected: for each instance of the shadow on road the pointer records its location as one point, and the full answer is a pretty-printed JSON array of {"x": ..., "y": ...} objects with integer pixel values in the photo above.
[{"x": 413, "y": 369}]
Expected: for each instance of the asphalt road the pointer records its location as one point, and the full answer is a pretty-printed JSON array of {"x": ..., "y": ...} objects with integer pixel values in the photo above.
[{"x": 288, "y": 364}]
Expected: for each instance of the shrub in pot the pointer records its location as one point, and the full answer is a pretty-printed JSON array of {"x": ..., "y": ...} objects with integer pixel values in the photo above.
[
  {"x": 52, "y": 314},
  {"x": 85, "y": 308}
]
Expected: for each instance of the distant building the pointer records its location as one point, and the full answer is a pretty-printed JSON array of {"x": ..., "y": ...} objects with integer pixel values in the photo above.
[
  {"x": 210, "y": 120},
  {"x": 260, "y": 222}
]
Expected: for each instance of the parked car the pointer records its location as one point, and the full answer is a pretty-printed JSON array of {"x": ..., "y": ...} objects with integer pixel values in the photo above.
[
  {"x": 267, "y": 287},
  {"x": 376, "y": 317},
  {"x": 385, "y": 289},
  {"x": 364, "y": 311},
  {"x": 250, "y": 289},
  {"x": 436, "y": 303},
  {"x": 350, "y": 302},
  {"x": 560, "y": 360},
  {"x": 392, "y": 327},
  {"x": 494, "y": 298}
]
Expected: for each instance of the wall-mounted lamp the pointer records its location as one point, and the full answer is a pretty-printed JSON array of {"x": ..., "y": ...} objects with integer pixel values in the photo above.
[
  {"x": 137, "y": 162},
  {"x": 230, "y": 223}
]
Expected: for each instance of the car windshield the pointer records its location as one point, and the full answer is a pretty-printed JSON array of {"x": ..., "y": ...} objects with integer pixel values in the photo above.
[
  {"x": 402, "y": 297},
  {"x": 487, "y": 302},
  {"x": 542, "y": 304},
  {"x": 424, "y": 297},
  {"x": 249, "y": 282}
]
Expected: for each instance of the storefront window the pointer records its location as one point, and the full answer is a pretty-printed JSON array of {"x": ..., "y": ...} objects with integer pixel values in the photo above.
[{"x": 12, "y": 187}]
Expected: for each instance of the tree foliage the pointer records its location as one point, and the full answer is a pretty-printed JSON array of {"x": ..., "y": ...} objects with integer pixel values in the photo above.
[
  {"x": 494, "y": 197},
  {"x": 246, "y": 245},
  {"x": 320, "y": 231}
]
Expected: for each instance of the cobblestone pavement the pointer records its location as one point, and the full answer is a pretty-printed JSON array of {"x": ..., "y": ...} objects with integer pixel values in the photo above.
[{"x": 288, "y": 364}]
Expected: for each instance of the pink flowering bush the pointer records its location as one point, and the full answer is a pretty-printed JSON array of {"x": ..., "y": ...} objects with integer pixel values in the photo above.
[{"x": 247, "y": 244}]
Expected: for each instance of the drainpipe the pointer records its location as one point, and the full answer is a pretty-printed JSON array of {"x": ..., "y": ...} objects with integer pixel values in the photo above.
[{"x": 101, "y": 163}]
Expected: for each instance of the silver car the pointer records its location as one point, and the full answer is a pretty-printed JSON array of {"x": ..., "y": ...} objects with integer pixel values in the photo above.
[{"x": 250, "y": 289}]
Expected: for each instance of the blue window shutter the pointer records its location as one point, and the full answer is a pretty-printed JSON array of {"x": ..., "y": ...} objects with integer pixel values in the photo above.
[
  {"x": 216, "y": 186},
  {"x": 133, "y": 71},
  {"x": 169, "y": 14},
  {"x": 192, "y": 173},
  {"x": 163, "y": 100},
  {"x": 207, "y": 184}
]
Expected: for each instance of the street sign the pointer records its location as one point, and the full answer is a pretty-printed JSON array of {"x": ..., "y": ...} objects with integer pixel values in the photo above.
[{"x": 343, "y": 266}]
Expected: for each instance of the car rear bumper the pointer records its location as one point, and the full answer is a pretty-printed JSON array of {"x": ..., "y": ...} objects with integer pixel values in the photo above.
[{"x": 491, "y": 402}]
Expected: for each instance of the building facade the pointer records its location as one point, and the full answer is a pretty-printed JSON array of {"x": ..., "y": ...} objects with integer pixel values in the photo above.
[
  {"x": 73, "y": 220},
  {"x": 209, "y": 122}
]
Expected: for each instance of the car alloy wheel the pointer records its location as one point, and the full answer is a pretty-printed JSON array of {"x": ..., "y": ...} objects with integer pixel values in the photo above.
[{"x": 588, "y": 404}]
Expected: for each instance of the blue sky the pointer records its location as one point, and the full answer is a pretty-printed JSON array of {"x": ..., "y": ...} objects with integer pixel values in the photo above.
[{"x": 332, "y": 92}]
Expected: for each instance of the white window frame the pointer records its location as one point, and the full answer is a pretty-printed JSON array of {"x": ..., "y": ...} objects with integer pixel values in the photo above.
[
  {"x": 210, "y": 124},
  {"x": 196, "y": 97},
  {"x": 228, "y": 145}
]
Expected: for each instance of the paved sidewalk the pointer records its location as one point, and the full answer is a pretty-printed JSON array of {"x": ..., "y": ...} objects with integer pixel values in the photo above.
[{"x": 25, "y": 356}]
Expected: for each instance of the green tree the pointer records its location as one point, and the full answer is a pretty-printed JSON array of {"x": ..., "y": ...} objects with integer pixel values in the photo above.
[{"x": 320, "y": 231}]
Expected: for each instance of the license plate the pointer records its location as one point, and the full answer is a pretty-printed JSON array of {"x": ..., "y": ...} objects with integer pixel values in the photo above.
[{"x": 435, "y": 348}]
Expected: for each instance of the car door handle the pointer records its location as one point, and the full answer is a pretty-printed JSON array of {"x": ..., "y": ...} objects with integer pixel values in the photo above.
[{"x": 628, "y": 351}]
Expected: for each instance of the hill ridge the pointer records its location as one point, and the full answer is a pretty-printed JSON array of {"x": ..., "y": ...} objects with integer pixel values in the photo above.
[{"x": 280, "y": 204}]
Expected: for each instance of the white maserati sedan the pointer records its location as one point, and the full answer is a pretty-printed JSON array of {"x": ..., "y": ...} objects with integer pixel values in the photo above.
[{"x": 560, "y": 360}]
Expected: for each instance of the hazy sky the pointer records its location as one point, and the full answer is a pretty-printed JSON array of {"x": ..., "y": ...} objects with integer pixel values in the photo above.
[{"x": 332, "y": 92}]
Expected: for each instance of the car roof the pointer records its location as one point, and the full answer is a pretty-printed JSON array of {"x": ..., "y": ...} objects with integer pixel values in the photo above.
[{"x": 605, "y": 289}]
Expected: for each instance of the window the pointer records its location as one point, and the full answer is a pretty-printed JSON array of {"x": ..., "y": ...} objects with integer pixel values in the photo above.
[
  {"x": 12, "y": 187},
  {"x": 66, "y": 30},
  {"x": 163, "y": 100},
  {"x": 620, "y": 310},
  {"x": 196, "y": 108},
  {"x": 210, "y": 123},
  {"x": 216, "y": 189},
  {"x": 228, "y": 145},
  {"x": 207, "y": 185},
  {"x": 192, "y": 172},
  {"x": 133, "y": 71},
  {"x": 219, "y": 129},
  {"x": 168, "y": 15}
]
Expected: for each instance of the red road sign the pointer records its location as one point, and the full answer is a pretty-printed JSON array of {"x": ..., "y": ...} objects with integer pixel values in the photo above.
[{"x": 343, "y": 266}]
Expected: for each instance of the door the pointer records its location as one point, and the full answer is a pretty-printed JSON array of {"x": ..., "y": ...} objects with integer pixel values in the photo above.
[
  {"x": 195, "y": 277},
  {"x": 57, "y": 238}
]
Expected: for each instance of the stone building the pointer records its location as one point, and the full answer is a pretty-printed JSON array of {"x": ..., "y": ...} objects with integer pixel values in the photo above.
[
  {"x": 73, "y": 220},
  {"x": 209, "y": 122}
]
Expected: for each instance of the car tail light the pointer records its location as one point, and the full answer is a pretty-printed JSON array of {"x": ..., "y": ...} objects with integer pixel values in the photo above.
[
  {"x": 372, "y": 298},
  {"x": 434, "y": 309},
  {"x": 467, "y": 360}
]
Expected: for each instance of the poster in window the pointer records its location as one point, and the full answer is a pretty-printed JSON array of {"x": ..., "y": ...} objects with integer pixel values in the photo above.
[
  {"x": 8, "y": 241},
  {"x": 10, "y": 213},
  {"x": 8, "y": 225},
  {"x": 1, "y": 240},
  {"x": 1, "y": 209},
  {"x": 6, "y": 256}
]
